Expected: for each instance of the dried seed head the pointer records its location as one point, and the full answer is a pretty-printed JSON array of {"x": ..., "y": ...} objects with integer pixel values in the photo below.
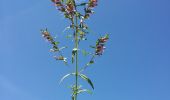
[
  {"x": 59, "y": 58},
  {"x": 47, "y": 35}
]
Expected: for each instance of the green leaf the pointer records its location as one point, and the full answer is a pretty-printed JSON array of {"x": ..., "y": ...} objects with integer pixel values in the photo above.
[
  {"x": 72, "y": 59},
  {"x": 85, "y": 53},
  {"x": 92, "y": 47},
  {"x": 107, "y": 36},
  {"x": 65, "y": 76},
  {"x": 81, "y": 32},
  {"x": 67, "y": 28},
  {"x": 56, "y": 43},
  {"x": 87, "y": 79},
  {"x": 90, "y": 62},
  {"x": 73, "y": 54},
  {"x": 84, "y": 90},
  {"x": 73, "y": 97},
  {"x": 69, "y": 36},
  {"x": 82, "y": 4},
  {"x": 62, "y": 48},
  {"x": 78, "y": 14}
]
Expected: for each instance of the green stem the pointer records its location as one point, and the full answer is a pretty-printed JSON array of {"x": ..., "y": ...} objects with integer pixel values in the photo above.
[
  {"x": 76, "y": 60},
  {"x": 76, "y": 45}
]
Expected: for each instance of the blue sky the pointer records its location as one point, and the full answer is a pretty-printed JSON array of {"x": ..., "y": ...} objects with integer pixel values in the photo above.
[{"x": 135, "y": 66}]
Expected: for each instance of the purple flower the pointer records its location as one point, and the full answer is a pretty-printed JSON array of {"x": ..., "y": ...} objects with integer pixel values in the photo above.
[
  {"x": 92, "y": 3},
  {"x": 100, "y": 49},
  {"x": 47, "y": 35}
]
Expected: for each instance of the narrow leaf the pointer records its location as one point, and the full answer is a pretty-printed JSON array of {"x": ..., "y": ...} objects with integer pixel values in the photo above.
[
  {"x": 92, "y": 47},
  {"x": 73, "y": 97},
  {"x": 56, "y": 43},
  {"x": 65, "y": 76},
  {"x": 84, "y": 90},
  {"x": 62, "y": 48},
  {"x": 69, "y": 36},
  {"x": 82, "y": 4},
  {"x": 91, "y": 62},
  {"x": 84, "y": 52},
  {"x": 87, "y": 79}
]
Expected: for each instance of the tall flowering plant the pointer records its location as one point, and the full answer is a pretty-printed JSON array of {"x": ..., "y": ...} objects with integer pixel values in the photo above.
[{"x": 71, "y": 11}]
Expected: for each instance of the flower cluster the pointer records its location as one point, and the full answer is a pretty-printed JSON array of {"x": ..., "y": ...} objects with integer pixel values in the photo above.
[
  {"x": 55, "y": 47},
  {"x": 59, "y": 5},
  {"x": 92, "y": 3},
  {"x": 88, "y": 10},
  {"x": 68, "y": 8},
  {"x": 57, "y": 2},
  {"x": 61, "y": 58},
  {"x": 50, "y": 39},
  {"x": 100, "y": 45},
  {"x": 47, "y": 35}
]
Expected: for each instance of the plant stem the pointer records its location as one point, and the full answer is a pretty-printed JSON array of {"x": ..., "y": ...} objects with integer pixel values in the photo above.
[
  {"x": 76, "y": 60},
  {"x": 76, "y": 45}
]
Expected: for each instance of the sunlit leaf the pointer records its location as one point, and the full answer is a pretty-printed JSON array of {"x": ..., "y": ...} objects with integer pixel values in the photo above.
[
  {"x": 84, "y": 90},
  {"x": 107, "y": 36},
  {"x": 56, "y": 43},
  {"x": 67, "y": 28},
  {"x": 73, "y": 54},
  {"x": 62, "y": 48},
  {"x": 81, "y": 32},
  {"x": 65, "y": 76}
]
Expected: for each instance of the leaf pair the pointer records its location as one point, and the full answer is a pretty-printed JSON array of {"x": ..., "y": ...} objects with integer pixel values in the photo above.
[
  {"x": 84, "y": 77},
  {"x": 81, "y": 91}
]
